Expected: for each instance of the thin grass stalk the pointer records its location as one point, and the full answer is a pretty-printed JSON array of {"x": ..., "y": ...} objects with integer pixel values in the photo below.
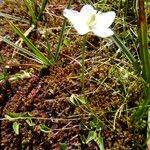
[
  {"x": 89, "y": 2},
  {"x": 148, "y": 130},
  {"x": 144, "y": 58},
  {"x": 35, "y": 4},
  {"x": 2, "y": 75},
  {"x": 26, "y": 52},
  {"x": 44, "y": 2},
  {"x": 144, "y": 106},
  {"x": 61, "y": 34},
  {"x": 13, "y": 17},
  {"x": 126, "y": 51},
  {"x": 1, "y": 59},
  {"x": 35, "y": 50},
  {"x": 83, "y": 63},
  {"x": 50, "y": 52},
  {"x": 32, "y": 13},
  {"x": 142, "y": 34}
]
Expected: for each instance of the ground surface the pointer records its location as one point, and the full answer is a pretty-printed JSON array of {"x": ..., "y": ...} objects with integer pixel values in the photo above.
[{"x": 110, "y": 88}]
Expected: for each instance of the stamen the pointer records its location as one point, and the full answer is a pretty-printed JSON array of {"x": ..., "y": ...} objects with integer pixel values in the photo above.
[{"x": 92, "y": 21}]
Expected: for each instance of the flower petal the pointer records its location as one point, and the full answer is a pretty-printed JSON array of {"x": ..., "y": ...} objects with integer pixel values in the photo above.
[
  {"x": 87, "y": 11},
  {"x": 76, "y": 19},
  {"x": 105, "y": 19},
  {"x": 70, "y": 14},
  {"x": 103, "y": 32}
]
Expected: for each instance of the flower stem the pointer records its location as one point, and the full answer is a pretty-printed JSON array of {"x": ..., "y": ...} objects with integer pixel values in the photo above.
[
  {"x": 83, "y": 62},
  {"x": 61, "y": 34}
]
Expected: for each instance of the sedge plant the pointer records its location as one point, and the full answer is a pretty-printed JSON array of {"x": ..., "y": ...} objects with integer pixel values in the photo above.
[
  {"x": 144, "y": 59},
  {"x": 34, "y": 13}
]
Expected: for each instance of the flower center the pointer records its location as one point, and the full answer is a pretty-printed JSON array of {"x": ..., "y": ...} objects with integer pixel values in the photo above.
[{"x": 92, "y": 21}]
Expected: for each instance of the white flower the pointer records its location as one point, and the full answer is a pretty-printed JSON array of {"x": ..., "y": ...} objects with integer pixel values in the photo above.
[{"x": 91, "y": 20}]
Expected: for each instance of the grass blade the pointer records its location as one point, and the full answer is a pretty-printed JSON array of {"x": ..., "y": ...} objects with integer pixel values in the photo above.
[
  {"x": 142, "y": 34},
  {"x": 44, "y": 2},
  {"x": 31, "y": 11},
  {"x": 26, "y": 52},
  {"x": 1, "y": 59},
  {"x": 126, "y": 51},
  {"x": 35, "y": 50},
  {"x": 148, "y": 129},
  {"x": 61, "y": 34},
  {"x": 144, "y": 58},
  {"x": 13, "y": 17},
  {"x": 35, "y": 6},
  {"x": 2, "y": 77},
  {"x": 49, "y": 48},
  {"x": 143, "y": 108}
]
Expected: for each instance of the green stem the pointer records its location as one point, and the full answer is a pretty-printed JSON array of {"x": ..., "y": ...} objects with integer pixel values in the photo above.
[
  {"x": 144, "y": 58},
  {"x": 148, "y": 128},
  {"x": 141, "y": 110},
  {"x": 83, "y": 63},
  {"x": 142, "y": 33},
  {"x": 61, "y": 34},
  {"x": 126, "y": 51},
  {"x": 44, "y": 2}
]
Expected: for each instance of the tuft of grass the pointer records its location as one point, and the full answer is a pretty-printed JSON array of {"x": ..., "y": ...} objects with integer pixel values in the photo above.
[
  {"x": 144, "y": 59},
  {"x": 22, "y": 50},
  {"x": 31, "y": 11},
  {"x": 35, "y": 50},
  {"x": 35, "y": 15}
]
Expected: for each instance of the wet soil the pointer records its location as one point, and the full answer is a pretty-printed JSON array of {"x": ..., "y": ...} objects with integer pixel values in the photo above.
[{"x": 47, "y": 91}]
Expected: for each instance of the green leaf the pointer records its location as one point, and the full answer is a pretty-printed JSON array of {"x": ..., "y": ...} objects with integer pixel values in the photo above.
[
  {"x": 11, "y": 116},
  {"x": 82, "y": 100},
  {"x": 1, "y": 59},
  {"x": 44, "y": 128},
  {"x": 96, "y": 124},
  {"x": 44, "y": 2},
  {"x": 91, "y": 136},
  {"x": 16, "y": 126},
  {"x": 32, "y": 14},
  {"x": 24, "y": 51},
  {"x": 148, "y": 128},
  {"x": 143, "y": 107},
  {"x": 29, "y": 122},
  {"x": 2, "y": 77},
  {"x": 63, "y": 146},
  {"x": 73, "y": 100},
  {"x": 5, "y": 15},
  {"x": 29, "y": 114},
  {"x": 50, "y": 51},
  {"x": 126, "y": 51},
  {"x": 143, "y": 42},
  {"x": 83, "y": 139},
  {"x": 77, "y": 101},
  {"x": 100, "y": 142},
  {"x": 35, "y": 50},
  {"x": 66, "y": 41}
]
